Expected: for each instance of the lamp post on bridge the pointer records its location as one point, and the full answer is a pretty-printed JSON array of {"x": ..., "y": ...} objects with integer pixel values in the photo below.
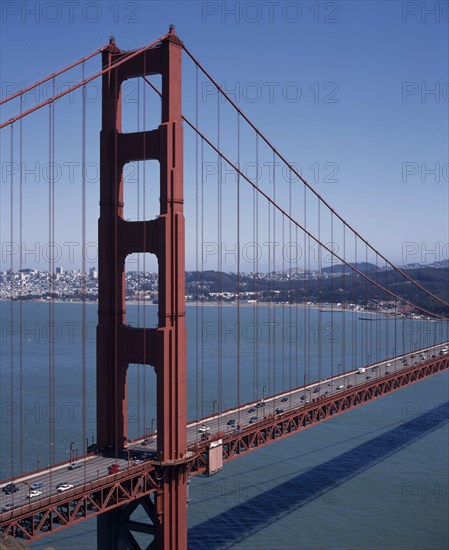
[
  {"x": 153, "y": 420},
  {"x": 72, "y": 443},
  {"x": 263, "y": 392},
  {"x": 213, "y": 407},
  {"x": 29, "y": 490},
  {"x": 393, "y": 354}
]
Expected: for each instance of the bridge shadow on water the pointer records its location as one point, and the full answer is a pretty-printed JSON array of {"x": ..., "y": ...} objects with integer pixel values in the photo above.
[{"x": 241, "y": 521}]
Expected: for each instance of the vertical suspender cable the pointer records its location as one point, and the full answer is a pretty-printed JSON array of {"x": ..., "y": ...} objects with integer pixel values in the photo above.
[
  {"x": 290, "y": 290},
  {"x": 202, "y": 278},
  {"x": 273, "y": 391},
  {"x": 117, "y": 306},
  {"x": 140, "y": 280},
  {"x": 238, "y": 261},
  {"x": 144, "y": 217},
  {"x": 21, "y": 284},
  {"x": 197, "y": 351},
  {"x": 51, "y": 269},
  {"x": 332, "y": 328},
  {"x": 354, "y": 316},
  {"x": 319, "y": 312},
  {"x": 256, "y": 278},
  {"x": 344, "y": 358},
  {"x": 283, "y": 302},
  {"x": 270, "y": 389},
  {"x": 219, "y": 263},
  {"x": 307, "y": 327},
  {"x": 11, "y": 303},
  {"x": 83, "y": 263},
  {"x": 299, "y": 333}
]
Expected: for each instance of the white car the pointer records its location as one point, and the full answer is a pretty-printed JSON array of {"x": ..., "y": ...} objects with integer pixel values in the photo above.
[
  {"x": 340, "y": 387},
  {"x": 203, "y": 429},
  {"x": 64, "y": 487},
  {"x": 34, "y": 494}
]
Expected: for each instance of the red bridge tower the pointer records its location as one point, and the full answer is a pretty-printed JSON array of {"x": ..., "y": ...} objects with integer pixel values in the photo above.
[{"x": 163, "y": 347}]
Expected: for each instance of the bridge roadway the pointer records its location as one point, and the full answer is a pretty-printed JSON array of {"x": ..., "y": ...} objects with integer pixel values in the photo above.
[{"x": 95, "y": 467}]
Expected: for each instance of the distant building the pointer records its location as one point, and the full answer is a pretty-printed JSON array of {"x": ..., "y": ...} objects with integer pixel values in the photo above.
[
  {"x": 59, "y": 271},
  {"x": 93, "y": 274}
]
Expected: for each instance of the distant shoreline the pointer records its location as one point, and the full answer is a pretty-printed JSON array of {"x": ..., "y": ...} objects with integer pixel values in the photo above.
[{"x": 324, "y": 308}]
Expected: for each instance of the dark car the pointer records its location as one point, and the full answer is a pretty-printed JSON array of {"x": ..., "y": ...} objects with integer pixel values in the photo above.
[
  {"x": 10, "y": 488},
  {"x": 279, "y": 410},
  {"x": 261, "y": 404},
  {"x": 230, "y": 422},
  {"x": 284, "y": 399},
  {"x": 253, "y": 419},
  {"x": 251, "y": 410},
  {"x": 349, "y": 386},
  {"x": 9, "y": 507},
  {"x": 37, "y": 485},
  {"x": 317, "y": 389},
  {"x": 387, "y": 372},
  {"x": 368, "y": 377}
]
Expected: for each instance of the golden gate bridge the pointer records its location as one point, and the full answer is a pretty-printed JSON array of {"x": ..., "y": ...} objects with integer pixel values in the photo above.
[{"x": 293, "y": 386}]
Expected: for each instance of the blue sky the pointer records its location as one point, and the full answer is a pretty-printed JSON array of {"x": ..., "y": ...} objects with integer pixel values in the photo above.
[{"x": 343, "y": 87}]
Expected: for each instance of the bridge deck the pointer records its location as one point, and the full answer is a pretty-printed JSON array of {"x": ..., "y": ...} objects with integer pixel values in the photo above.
[{"x": 256, "y": 424}]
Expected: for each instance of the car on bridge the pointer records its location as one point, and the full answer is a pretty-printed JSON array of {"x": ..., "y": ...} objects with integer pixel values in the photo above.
[
  {"x": 340, "y": 387},
  {"x": 253, "y": 419},
  {"x": 8, "y": 507},
  {"x": 203, "y": 429},
  {"x": 37, "y": 485},
  {"x": 251, "y": 410},
  {"x": 279, "y": 410},
  {"x": 75, "y": 465},
  {"x": 230, "y": 422},
  {"x": 34, "y": 494},
  {"x": 113, "y": 468},
  {"x": 317, "y": 389},
  {"x": 284, "y": 399},
  {"x": 10, "y": 488}
]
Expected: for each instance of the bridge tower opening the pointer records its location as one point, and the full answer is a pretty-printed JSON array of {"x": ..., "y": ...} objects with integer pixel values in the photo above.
[{"x": 118, "y": 344}]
